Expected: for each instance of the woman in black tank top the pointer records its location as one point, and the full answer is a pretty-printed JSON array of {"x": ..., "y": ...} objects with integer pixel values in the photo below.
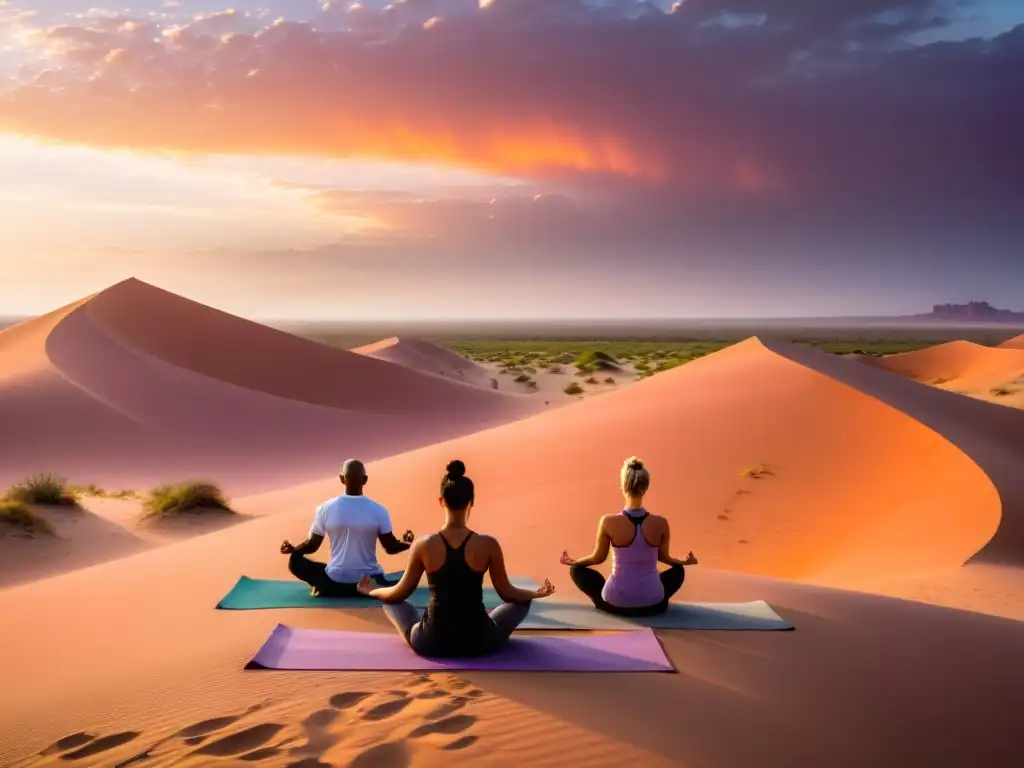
[{"x": 456, "y": 623}]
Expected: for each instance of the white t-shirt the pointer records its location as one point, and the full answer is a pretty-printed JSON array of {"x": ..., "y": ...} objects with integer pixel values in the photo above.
[{"x": 351, "y": 525}]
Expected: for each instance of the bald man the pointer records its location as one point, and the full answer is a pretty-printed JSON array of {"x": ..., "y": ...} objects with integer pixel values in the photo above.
[{"x": 354, "y": 524}]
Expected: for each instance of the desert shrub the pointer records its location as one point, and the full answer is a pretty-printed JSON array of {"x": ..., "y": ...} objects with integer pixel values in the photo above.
[
  {"x": 609, "y": 380},
  {"x": 531, "y": 384},
  {"x": 591, "y": 357},
  {"x": 573, "y": 389},
  {"x": 494, "y": 383},
  {"x": 529, "y": 369},
  {"x": 177, "y": 498},
  {"x": 45, "y": 489},
  {"x": 20, "y": 516},
  {"x": 555, "y": 369},
  {"x": 642, "y": 365},
  {"x": 1002, "y": 391},
  {"x": 591, "y": 380},
  {"x": 522, "y": 378}
]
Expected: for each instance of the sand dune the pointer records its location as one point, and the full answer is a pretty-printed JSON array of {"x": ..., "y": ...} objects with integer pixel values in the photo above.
[
  {"x": 992, "y": 436},
  {"x": 1017, "y": 342},
  {"x": 423, "y": 356},
  {"x": 853, "y": 484},
  {"x": 957, "y": 364},
  {"x": 135, "y": 385},
  {"x": 777, "y": 460}
]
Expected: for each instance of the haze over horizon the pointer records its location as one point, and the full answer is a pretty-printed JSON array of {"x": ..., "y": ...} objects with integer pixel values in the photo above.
[{"x": 447, "y": 159}]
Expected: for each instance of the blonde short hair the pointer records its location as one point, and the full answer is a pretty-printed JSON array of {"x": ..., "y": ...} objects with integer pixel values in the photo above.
[{"x": 635, "y": 478}]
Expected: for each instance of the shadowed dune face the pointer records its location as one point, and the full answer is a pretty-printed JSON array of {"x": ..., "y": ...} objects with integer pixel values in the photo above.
[
  {"x": 851, "y": 484},
  {"x": 220, "y": 346},
  {"x": 136, "y": 386}
]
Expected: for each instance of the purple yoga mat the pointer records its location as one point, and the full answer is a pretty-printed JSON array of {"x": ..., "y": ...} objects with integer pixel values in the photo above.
[{"x": 324, "y": 649}]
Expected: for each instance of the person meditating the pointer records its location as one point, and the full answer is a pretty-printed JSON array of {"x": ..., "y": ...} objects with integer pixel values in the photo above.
[
  {"x": 638, "y": 541},
  {"x": 455, "y": 559},
  {"x": 354, "y": 524}
]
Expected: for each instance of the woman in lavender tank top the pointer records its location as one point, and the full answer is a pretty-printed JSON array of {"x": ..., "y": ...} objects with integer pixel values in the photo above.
[{"x": 638, "y": 541}]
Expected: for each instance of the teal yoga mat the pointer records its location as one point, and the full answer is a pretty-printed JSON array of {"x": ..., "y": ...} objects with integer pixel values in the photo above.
[
  {"x": 756, "y": 615},
  {"x": 257, "y": 594}
]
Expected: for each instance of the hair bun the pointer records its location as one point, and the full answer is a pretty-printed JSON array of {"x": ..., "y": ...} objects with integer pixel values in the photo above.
[
  {"x": 634, "y": 463},
  {"x": 455, "y": 469}
]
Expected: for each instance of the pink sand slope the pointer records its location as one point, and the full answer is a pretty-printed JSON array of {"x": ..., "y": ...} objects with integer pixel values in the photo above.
[{"x": 135, "y": 385}]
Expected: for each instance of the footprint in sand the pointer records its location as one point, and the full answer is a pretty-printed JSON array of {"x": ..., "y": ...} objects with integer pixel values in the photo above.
[
  {"x": 446, "y": 709},
  {"x": 319, "y": 720},
  {"x": 348, "y": 699},
  {"x": 449, "y": 726},
  {"x": 68, "y": 742},
  {"x": 463, "y": 743},
  {"x": 394, "y": 754},
  {"x": 432, "y": 693},
  {"x": 250, "y": 739},
  {"x": 206, "y": 727},
  {"x": 102, "y": 744},
  {"x": 263, "y": 753},
  {"x": 318, "y": 736},
  {"x": 387, "y": 709}
]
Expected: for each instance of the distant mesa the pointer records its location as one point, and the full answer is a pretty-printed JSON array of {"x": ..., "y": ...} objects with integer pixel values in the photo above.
[{"x": 974, "y": 311}]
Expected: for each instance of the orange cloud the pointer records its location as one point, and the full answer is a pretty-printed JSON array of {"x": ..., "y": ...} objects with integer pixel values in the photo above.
[{"x": 204, "y": 87}]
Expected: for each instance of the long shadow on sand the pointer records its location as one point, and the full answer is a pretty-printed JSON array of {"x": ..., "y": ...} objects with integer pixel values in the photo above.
[{"x": 880, "y": 683}]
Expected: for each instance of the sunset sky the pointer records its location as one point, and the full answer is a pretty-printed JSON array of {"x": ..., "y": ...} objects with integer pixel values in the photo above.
[{"x": 315, "y": 159}]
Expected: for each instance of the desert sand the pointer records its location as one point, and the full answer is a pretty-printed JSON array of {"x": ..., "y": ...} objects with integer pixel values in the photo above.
[
  {"x": 805, "y": 479},
  {"x": 136, "y": 386},
  {"x": 1017, "y": 342},
  {"x": 423, "y": 356},
  {"x": 995, "y": 374}
]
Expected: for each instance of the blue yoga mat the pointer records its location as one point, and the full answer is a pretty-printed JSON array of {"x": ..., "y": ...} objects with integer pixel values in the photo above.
[{"x": 257, "y": 594}]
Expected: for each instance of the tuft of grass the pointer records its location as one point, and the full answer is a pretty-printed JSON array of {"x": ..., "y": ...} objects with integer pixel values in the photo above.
[
  {"x": 592, "y": 358},
  {"x": 591, "y": 380},
  {"x": 522, "y": 378},
  {"x": 555, "y": 368},
  {"x": 610, "y": 380},
  {"x": 531, "y": 384},
  {"x": 20, "y": 516},
  {"x": 186, "y": 497},
  {"x": 44, "y": 489},
  {"x": 756, "y": 473},
  {"x": 573, "y": 389},
  {"x": 1002, "y": 391}
]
